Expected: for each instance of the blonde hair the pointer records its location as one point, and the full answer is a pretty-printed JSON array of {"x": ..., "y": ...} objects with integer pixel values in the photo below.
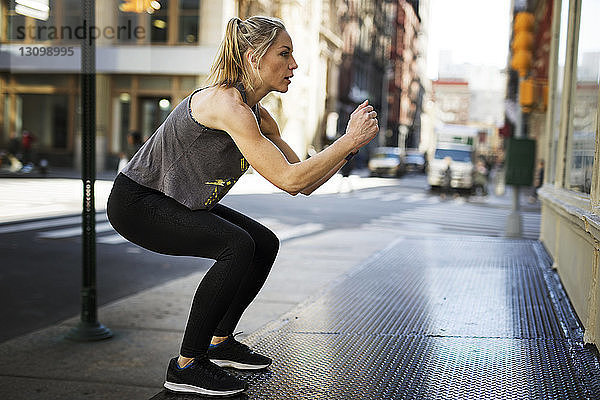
[{"x": 256, "y": 33}]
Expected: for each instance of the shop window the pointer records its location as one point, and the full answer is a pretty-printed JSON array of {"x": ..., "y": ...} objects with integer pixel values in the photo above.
[
  {"x": 188, "y": 83},
  {"x": 121, "y": 81},
  {"x": 124, "y": 117},
  {"x": 6, "y": 127},
  {"x": 560, "y": 75},
  {"x": 585, "y": 100},
  {"x": 189, "y": 14},
  {"x": 46, "y": 117},
  {"x": 154, "y": 110},
  {"x": 155, "y": 83}
]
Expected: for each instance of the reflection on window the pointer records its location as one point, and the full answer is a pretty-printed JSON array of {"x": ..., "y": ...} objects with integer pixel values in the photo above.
[
  {"x": 45, "y": 116},
  {"x": 560, "y": 73},
  {"x": 159, "y": 24},
  {"x": 585, "y": 101},
  {"x": 129, "y": 20},
  {"x": 16, "y": 25}
]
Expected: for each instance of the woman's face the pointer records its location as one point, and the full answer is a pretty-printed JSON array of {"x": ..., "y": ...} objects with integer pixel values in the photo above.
[{"x": 277, "y": 65}]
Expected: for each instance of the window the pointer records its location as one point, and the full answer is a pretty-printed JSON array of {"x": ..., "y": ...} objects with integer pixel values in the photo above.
[
  {"x": 189, "y": 15},
  {"x": 16, "y": 23},
  {"x": 560, "y": 74},
  {"x": 71, "y": 18},
  {"x": 159, "y": 23},
  {"x": 129, "y": 20},
  {"x": 585, "y": 100}
]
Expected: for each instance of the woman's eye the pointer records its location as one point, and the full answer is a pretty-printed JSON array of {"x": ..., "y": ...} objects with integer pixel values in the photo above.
[{"x": 285, "y": 53}]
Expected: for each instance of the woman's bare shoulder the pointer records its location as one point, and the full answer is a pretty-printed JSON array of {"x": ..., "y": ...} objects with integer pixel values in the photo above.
[{"x": 209, "y": 104}]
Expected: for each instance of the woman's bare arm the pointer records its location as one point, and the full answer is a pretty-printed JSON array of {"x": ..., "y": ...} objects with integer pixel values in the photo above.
[
  {"x": 266, "y": 158},
  {"x": 270, "y": 129}
]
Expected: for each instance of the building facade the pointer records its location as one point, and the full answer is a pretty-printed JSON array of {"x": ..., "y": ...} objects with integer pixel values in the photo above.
[
  {"x": 565, "y": 123},
  {"x": 366, "y": 36},
  {"x": 145, "y": 64},
  {"x": 147, "y": 61}
]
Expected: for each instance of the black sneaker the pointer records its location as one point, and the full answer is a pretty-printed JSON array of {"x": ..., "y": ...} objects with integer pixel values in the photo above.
[
  {"x": 231, "y": 353},
  {"x": 202, "y": 377}
]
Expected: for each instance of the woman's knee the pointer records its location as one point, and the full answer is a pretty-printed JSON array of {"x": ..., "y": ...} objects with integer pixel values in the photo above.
[
  {"x": 239, "y": 245},
  {"x": 267, "y": 246}
]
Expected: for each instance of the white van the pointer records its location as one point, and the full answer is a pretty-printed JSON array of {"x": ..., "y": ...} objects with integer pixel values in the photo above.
[{"x": 459, "y": 158}]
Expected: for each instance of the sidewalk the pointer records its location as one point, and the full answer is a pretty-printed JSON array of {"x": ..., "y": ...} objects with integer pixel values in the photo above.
[
  {"x": 404, "y": 316},
  {"x": 485, "y": 318}
]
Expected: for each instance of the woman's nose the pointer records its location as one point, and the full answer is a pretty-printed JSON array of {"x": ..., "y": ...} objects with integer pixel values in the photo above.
[{"x": 293, "y": 65}]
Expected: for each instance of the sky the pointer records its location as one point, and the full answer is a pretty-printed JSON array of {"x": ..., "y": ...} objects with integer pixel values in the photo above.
[{"x": 476, "y": 31}]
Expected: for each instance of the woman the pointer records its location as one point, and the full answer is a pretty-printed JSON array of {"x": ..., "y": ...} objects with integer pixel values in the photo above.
[{"x": 166, "y": 198}]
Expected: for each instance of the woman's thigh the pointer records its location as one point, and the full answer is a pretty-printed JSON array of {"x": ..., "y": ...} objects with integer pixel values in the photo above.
[
  {"x": 263, "y": 237},
  {"x": 159, "y": 223}
]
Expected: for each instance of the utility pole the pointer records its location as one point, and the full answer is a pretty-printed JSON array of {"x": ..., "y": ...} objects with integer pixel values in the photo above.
[{"x": 88, "y": 329}]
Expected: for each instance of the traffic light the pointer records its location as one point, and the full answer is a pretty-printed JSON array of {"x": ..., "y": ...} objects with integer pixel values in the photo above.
[
  {"x": 522, "y": 42},
  {"x": 526, "y": 94}
]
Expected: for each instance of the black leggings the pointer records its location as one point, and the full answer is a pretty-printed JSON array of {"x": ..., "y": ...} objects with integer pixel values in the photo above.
[{"x": 244, "y": 251}]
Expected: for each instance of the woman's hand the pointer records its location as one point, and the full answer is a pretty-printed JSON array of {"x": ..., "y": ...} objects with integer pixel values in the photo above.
[{"x": 363, "y": 125}]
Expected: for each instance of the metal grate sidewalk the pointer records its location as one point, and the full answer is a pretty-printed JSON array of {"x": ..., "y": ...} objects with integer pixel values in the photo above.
[{"x": 443, "y": 318}]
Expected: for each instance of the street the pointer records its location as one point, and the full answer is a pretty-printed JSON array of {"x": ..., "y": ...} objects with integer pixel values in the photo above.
[{"x": 41, "y": 271}]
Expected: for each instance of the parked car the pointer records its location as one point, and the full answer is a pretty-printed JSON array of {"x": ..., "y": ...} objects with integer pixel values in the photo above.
[
  {"x": 387, "y": 161},
  {"x": 415, "y": 161}
]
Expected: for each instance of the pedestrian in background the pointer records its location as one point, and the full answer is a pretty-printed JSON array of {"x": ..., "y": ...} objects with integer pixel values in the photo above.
[
  {"x": 447, "y": 178},
  {"x": 27, "y": 140},
  {"x": 166, "y": 198},
  {"x": 480, "y": 178}
]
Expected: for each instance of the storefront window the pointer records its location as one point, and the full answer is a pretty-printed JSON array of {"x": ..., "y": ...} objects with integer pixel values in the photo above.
[
  {"x": 189, "y": 14},
  {"x": 560, "y": 74},
  {"x": 123, "y": 116},
  {"x": 155, "y": 83},
  {"x": 6, "y": 127},
  {"x": 45, "y": 116},
  {"x": 154, "y": 110},
  {"x": 585, "y": 100},
  {"x": 188, "y": 83}
]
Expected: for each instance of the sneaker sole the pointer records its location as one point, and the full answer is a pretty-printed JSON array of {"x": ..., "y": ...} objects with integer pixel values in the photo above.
[
  {"x": 181, "y": 387},
  {"x": 236, "y": 365}
]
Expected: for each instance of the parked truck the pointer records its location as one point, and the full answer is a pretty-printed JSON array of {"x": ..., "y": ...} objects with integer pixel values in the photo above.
[{"x": 450, "y": 163}]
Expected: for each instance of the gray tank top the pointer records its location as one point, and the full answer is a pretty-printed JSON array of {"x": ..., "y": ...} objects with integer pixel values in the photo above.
[{"x": 188, "y": 161}]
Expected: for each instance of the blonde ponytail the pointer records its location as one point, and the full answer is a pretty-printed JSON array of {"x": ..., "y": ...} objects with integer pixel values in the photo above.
[{"x": 256, "y": 33}]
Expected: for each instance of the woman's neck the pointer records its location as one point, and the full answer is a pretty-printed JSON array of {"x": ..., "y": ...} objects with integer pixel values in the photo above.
[{"x": 255, "y": 95}]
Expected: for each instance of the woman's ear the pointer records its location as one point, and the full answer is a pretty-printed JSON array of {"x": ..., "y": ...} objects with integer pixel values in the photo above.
[{"x": 251, "y": 57}]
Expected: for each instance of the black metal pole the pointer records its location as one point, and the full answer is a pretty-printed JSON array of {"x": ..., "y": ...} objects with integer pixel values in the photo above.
[{"x": 88, "y": 329}]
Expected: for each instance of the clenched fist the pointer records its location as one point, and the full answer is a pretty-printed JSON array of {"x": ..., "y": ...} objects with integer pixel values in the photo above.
[{"x": 363, "y": 125}]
